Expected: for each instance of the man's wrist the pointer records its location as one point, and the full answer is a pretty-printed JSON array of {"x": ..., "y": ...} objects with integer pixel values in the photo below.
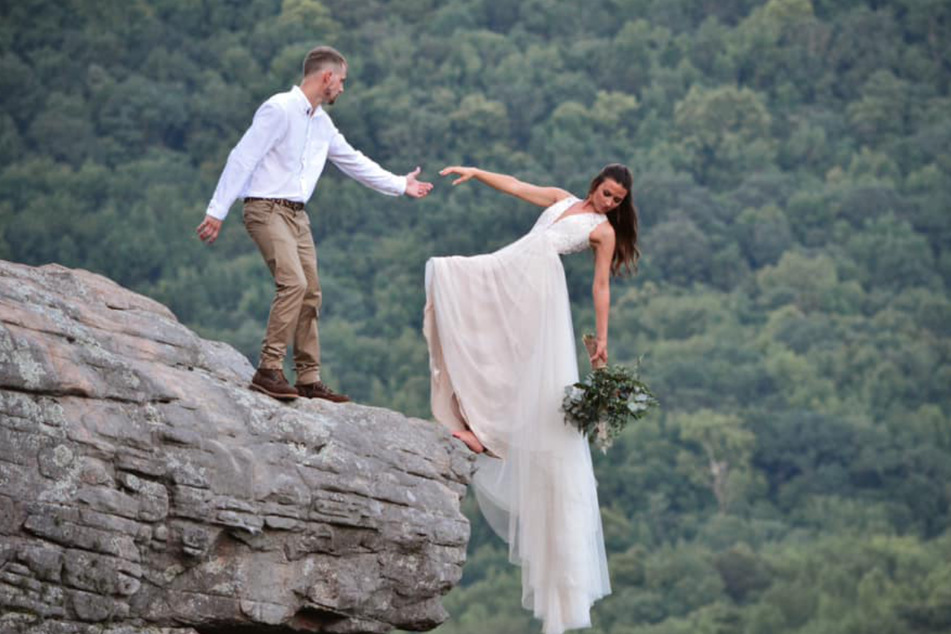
[{"x": 216, "y": 212}]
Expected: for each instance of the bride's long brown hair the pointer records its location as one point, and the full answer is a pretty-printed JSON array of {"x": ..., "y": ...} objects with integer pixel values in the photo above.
[{"x": 623, "y": 218}]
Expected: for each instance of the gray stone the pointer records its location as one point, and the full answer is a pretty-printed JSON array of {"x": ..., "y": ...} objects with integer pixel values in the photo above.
[
  {"x": 45, "y": 563},
  {"x": 144, "y": 489}
]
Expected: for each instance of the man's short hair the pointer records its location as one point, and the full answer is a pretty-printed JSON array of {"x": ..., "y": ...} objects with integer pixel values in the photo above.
[{"x": 322, "y": 57}]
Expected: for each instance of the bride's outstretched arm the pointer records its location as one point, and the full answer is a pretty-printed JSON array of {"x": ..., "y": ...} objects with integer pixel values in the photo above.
[
  {"x": 603, "y": 240},
  {"x": 541, "y": 196}
]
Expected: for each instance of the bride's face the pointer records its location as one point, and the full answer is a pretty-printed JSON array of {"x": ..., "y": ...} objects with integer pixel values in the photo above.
[{"x": 607, "y": 195}]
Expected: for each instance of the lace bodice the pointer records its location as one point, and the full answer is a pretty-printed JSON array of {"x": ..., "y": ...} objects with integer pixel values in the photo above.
[{"x": 571, "y": 234}]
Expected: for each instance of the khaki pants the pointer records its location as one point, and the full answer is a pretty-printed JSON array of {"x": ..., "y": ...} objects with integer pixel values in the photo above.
[{"x": 284, "y": 239}]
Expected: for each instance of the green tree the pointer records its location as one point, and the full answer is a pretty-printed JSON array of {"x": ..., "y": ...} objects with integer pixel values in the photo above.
[
  {"x": 723, "y": 458},
  {"x": 725, "y": 132}
]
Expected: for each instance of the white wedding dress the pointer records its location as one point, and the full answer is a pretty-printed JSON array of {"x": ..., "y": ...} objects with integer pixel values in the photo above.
[{"x": 502, "y": 350}]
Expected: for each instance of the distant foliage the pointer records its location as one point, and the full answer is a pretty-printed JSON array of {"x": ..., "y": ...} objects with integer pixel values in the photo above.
[{"x": 793, "y": 175}]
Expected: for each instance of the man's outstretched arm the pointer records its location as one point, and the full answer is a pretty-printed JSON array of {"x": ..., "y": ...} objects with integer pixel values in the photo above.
[{"x": 365, "y": 171}]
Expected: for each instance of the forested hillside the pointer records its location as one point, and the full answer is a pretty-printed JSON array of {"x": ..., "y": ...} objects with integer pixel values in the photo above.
[{"x": 792, "y": 165}]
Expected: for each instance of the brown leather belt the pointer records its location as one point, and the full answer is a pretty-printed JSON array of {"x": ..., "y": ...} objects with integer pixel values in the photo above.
[{"x": 283, "y": 202}]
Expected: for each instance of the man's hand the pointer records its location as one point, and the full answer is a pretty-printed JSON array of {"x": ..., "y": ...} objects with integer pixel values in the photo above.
[
  {"x": 209, "y": 228},
  {"x": 415, "y": 188}
]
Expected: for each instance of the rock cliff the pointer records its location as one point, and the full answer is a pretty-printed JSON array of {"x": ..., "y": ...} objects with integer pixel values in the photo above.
[{"x": 144, "y": 488}]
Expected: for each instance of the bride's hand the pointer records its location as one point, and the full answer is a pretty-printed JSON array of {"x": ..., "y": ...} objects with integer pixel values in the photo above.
[
  {"x": 465, "y": 173},
  {"x": 600, "y": 356}
]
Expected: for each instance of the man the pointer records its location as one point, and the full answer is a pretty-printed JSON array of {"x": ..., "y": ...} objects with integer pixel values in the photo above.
[{"x": 275, "y": 167}]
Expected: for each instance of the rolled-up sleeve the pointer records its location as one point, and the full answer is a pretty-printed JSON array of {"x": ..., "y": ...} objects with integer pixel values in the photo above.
[
  {"x": 269, "y": 124},
  {"x": 360, "y": 168}
]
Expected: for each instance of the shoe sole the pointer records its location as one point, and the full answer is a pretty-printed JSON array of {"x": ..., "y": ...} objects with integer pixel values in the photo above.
[
  {"x": 277, "y": 395},
  {"x": 329, "y": 400}
]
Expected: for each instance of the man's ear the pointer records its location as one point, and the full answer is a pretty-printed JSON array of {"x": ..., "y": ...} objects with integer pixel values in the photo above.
[{"x": 326, "y": 75}]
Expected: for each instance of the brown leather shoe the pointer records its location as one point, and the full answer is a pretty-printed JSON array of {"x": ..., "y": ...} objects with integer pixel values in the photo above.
[
  {"x": 319, "y": 390},
  {"x": 273, "y": 383}
]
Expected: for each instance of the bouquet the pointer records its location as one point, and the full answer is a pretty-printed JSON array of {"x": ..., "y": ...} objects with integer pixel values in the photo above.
[{"x": 605, "y": 401}]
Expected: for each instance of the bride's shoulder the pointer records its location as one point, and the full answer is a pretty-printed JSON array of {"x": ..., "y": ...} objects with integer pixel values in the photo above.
[
  {"x": 560, "y": 195},
  {"x": 604, "y": 232}
]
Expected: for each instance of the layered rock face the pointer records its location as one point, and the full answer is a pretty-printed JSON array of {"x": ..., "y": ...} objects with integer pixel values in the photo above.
[{"x": 144, "y": 488}]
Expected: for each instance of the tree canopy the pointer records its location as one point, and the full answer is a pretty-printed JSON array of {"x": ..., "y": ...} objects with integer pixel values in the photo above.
[{"x": 792, "y": 313}]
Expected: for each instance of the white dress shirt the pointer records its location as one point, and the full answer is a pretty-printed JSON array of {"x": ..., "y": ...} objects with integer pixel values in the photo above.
[{"x": 283, "y": 154}]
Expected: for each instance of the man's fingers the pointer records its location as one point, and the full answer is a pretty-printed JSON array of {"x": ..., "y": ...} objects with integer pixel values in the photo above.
[
  {"x": 418, "y": 189},
  {"x": 208, "y": 231}
]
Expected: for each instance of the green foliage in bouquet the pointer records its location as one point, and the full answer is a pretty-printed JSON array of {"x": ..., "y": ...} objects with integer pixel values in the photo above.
[{"x": 605, "y": 401}]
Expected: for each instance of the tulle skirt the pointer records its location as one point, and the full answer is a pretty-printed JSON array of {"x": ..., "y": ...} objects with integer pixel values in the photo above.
[{"x": 502, "y": 350}]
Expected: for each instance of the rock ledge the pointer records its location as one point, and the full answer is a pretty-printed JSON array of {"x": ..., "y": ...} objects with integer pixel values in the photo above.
[{"x": 144, "y": 488}]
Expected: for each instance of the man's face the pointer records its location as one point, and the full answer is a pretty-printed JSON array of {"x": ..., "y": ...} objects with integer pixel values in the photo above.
[{"x": 334, "y": 83}]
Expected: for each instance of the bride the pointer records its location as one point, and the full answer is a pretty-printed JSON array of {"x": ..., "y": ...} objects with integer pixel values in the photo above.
[{"x": 502, "y": 351}]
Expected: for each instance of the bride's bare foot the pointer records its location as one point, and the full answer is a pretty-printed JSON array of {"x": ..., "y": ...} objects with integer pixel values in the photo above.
[{"x": 470, "y": 439}]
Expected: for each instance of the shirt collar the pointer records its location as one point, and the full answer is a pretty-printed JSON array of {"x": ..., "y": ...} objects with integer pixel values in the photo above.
[{"x": 303, "y": 102}]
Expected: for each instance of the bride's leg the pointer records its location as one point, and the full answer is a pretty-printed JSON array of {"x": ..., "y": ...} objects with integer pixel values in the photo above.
[
  {"x": 470, "y": 439},
  {"x": 465, "y": 435}
]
